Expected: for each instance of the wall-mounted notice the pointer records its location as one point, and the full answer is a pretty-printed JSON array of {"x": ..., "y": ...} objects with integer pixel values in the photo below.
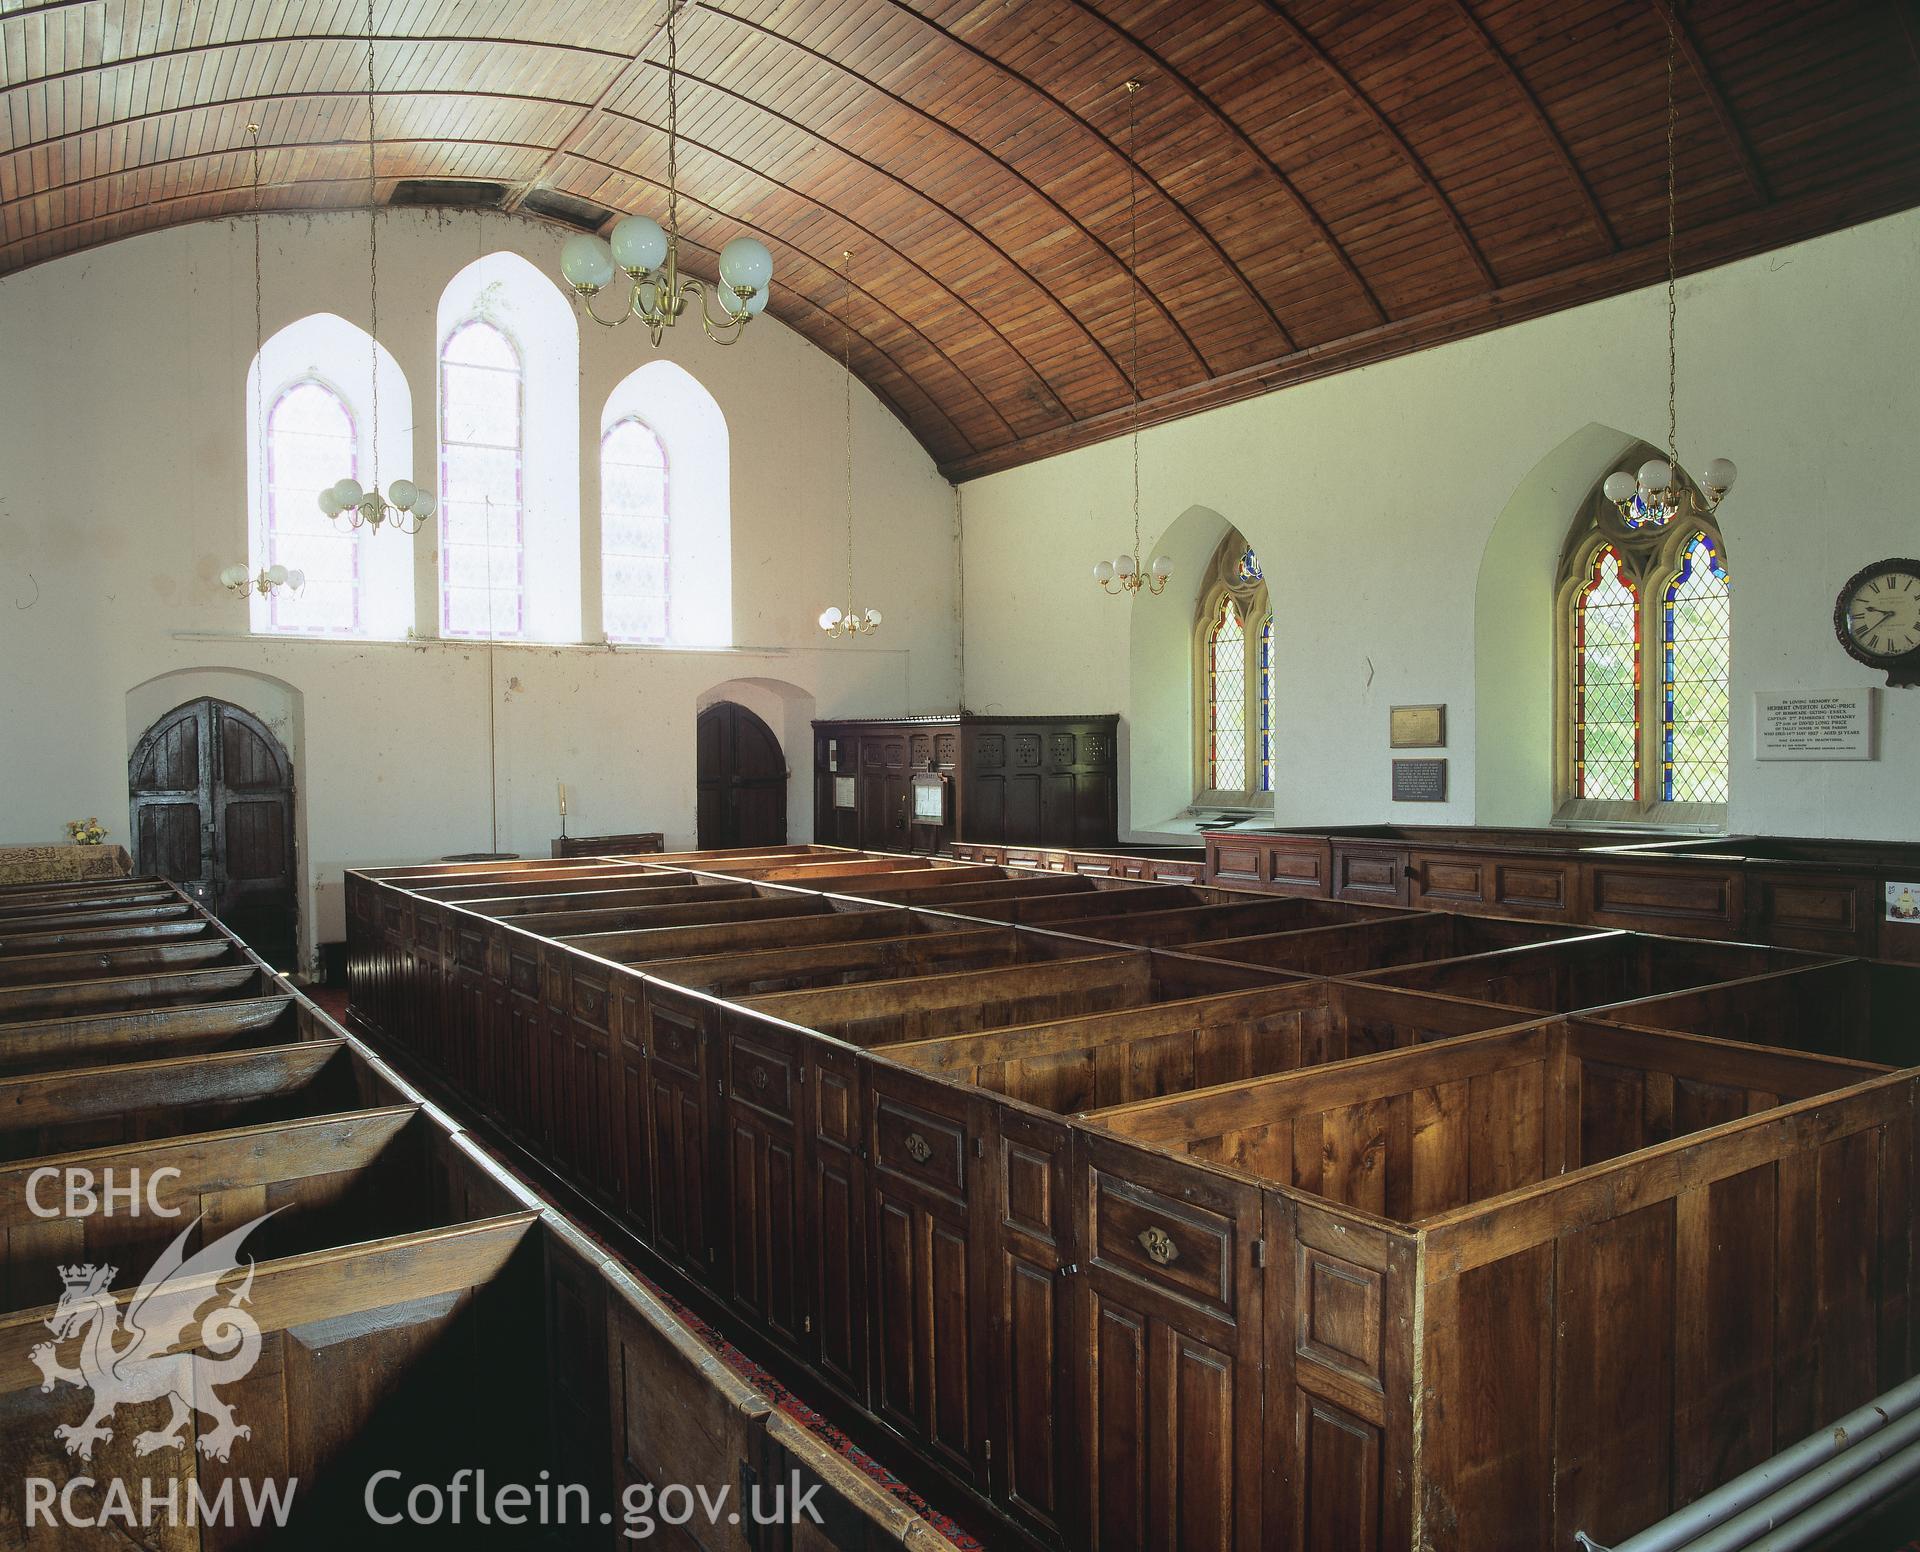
[
  {"x": 1903, "y": 903},
  {"x": 1419, "y": 781},
  {"x": 1816, "y": 725}
]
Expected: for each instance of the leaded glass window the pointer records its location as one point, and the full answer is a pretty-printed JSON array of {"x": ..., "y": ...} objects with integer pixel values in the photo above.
[
  {"x": 636, "y": 533},
  {"x": 1266, "y": 704},
  {"x": 310, "y": 444},
  {"x": 1606, "y": 683},
  {"x": 1697, "y": 648},
  {"x": 482, "y": 499},
  {"x": 1227, "y": 699}
]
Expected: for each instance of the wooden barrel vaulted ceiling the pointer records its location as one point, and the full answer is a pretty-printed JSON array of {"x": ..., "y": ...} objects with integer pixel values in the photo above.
[{"x": 1321, "y": 183}]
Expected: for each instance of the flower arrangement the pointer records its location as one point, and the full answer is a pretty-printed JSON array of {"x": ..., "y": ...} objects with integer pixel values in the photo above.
[{"x": 86, "y": 832}]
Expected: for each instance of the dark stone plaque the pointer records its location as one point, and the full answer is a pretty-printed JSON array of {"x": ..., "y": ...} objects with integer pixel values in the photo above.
[{"x": 1419, "y": 781}]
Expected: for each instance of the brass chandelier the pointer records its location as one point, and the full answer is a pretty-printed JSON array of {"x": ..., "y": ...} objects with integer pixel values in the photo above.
[
  {"x": 1659, "y": 492},
  {"x": 850, "y": 621},
  {"x": 657, "y": 293},
  {"x": 406, "y": 507},
  {"x": 1124, "y": 573},
  {"x": 269, "y": 579}
]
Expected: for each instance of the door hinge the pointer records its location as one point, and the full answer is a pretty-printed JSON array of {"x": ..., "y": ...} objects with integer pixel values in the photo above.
[
  {"x": 806, "y": 1324},
  {"x": 1260, "y": 1252},
  {"x": 1069, "y": 1269}
]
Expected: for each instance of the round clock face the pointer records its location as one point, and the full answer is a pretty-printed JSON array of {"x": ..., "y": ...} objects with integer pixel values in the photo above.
[{"x": 1879, "y": 613}]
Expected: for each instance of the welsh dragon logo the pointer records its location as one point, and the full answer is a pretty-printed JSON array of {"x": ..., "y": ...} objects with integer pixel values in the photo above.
[{"x": 135, "y": 1360}]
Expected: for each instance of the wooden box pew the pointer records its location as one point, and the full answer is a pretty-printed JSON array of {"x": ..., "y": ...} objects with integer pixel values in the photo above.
[
  {"x": 151, "y": 892},
  {"x": 1592, "y": 971},
  {"x": 812, "y": 872},
  {"x": 110, "y": 935},
  {"x": 1856, "y": 1008},
  {"x": 126, "y": 993},
  {"x": 98, "y": 1107},
  {"x": 918, "y": 881},
  {"x": 64, "y": 918},
  {"x": 938, "y": 889},
  {"x": 917, "y": 951},
  {"x": 1566, "y": 1276},
  {"x": 1399, "y": 938},
  {"x": 619, "y": 894},
  {"x": 824, "y": 922},
  {"x": 1246, "y": 917},
  {"x": 1094, "y": 1061},
  {"x": 754, "y": 907},
  {"x": 92, "y": 1038},
  {"x": 1105, "y": 898},
  {"x": 432, "y": 875},
  {"x": 579, "y": 880},
  {"x": 883, "y": 1012},
  {"x": 336, "y": 1179},
  {"x": 125, "y": 959}
]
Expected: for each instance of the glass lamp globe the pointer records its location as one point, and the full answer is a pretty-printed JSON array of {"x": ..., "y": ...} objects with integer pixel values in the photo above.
[
  {"x": 348, "y": 492},
  {"x": 873, "y": 618},
  {"x": 296, "y": 579},
  {"x": 277, "y": 575},
  {"x": 1656, "y": 474},
  {"x": 1619, "y": 487},
  {"x": 1126, "y": 565},
  {"x": 1103, "y": 572},
  {"x": 731, "y": 302},
  {"x": 403, "y": 493},
  {"x": 586, "y": 262},
  {"x": 1719, "y": 474},
  {"x": 330, "y": 502},
  {"x": 1162, "y": 568},
  {"x": 746, "y": 264},
  {"x": 638, "y": 244},
  {"x": 830, "y": 617},
  {"x": 233, "y": 576},
  {"x": 425, "y": 504}
]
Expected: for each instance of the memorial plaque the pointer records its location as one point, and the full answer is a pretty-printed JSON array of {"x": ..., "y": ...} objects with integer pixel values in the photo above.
[
  {"x": 1418, "y": 727},
  {"x": 843, "y": 792},
  {"x": 1419, "y": 781},
  {"x": 1815, "y": 725}
]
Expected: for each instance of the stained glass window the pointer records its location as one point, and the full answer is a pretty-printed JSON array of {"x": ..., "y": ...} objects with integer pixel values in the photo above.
[
  {"x": 1606, "y": 684},
  {"x": 1247, "y": 567},
  {"x": 1266, "y": 704},
  {"x": 482, "y": 511},
  {"x": 1227, "y": 700},
  {"x": 1696, "y": 648},
  {"x": 310, "y": 444},
  {"x": 635, "y": 532}
]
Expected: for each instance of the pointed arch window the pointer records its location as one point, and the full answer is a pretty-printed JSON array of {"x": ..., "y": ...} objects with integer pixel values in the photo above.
[
  {"x": 1646, "y": 654},
  {"x": 482, "y": 506},
  {"x": 1696, "y": 670},
  {"x": 1606, "y": 684},
  {"x": 310, "y": 432},
  {"x": 1234, "y": 680},
  {"x": 636, "y": 526}
]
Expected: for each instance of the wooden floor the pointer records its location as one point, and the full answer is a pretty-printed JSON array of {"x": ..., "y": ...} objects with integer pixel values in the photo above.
[{"x": 1015, "y": 1165}]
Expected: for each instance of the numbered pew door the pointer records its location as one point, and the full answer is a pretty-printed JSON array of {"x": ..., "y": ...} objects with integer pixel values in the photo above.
[{"x": 212, "y": 809}]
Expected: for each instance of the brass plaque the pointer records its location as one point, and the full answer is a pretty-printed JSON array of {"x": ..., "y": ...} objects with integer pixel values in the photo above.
[{"x": 1419, "y": 727}]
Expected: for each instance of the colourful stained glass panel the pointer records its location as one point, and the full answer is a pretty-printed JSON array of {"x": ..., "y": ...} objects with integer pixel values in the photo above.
[
  {"x": 1266, "y": 706},
  {"x": 1697, "y": 665},
  {"x": 1606, "y": 684},
  {"x": 1227, "y": 700}
]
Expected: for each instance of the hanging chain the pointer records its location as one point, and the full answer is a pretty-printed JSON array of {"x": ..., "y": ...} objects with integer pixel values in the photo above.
[
  {"x": 1133, "y": 301},
  {"x": 846, "y": 377},
  {"x": 673, "y": 124},
  {"x": 1673, "y": 304},
  {"x": 259, "y": 349},
  {"x": 373, "y": 261}
]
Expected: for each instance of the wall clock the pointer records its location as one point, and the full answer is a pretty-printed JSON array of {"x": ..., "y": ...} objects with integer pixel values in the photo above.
[{"x": 1877, "y": 618}]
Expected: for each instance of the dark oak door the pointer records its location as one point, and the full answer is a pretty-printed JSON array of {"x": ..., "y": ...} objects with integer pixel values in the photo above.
[
  {"x": 742, "y": 778},
  {"x": 212, "y": 809}
]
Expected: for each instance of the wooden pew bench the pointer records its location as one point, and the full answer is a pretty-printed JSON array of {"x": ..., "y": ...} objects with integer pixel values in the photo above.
[
  {"x": 269, "y": 1017},
  {"x": 916, "y": 951},
  {"x": 125, "y": 993},
  {"x": 1397, "y": 939}
]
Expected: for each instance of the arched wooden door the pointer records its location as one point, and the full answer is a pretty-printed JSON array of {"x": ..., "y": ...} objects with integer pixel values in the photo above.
[
  {"x": 212, "y": 799},
  {"x": 742, "y": 778}
]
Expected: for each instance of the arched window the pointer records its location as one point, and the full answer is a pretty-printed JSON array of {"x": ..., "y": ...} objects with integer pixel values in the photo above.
[
  {"x": 509, "y": 523},
  {"x": 483, "y": 572},
  {"x": 636, "y": 534},
  {"x": 666, "y": 545},
  {"x": 310, "y": 445},
  {"x": 1697, "y": 665},
  {"x": 1606, "y": 684},
  {"x": 1233, "y": 674},
  {"x": 1646, "y": 643},
  {"x": 310, "y": 423}
]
